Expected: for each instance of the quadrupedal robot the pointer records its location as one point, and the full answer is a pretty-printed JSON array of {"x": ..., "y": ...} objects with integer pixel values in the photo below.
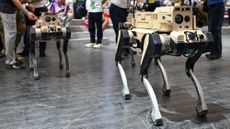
[
  {"x": 49, "y": 28},
  {"x": 166, "y": 30}
]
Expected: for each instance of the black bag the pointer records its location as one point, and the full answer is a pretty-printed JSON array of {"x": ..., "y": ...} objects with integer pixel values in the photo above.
[
  {"x": 151, "y": 6},
  {"x": 79, "y": 9}
]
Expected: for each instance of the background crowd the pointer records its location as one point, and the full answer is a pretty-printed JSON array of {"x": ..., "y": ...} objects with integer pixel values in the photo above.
[{"x": 16, "y": 18}]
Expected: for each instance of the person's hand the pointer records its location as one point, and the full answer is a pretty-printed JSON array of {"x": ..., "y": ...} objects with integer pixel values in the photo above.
[{"x": 31, "y": 16}]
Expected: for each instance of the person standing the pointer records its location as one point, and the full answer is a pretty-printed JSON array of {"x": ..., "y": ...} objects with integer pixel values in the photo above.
[
  {"x": 8, "y": 15},
  {"x": 64, "y": 10},
  {"x": 215, "y": 21},
  {"x": 94, "y": 8},
  {"x": 37, "y": 7},
  {"x": 21, "y": 28},
  {"x": 2, "y": 53},
  {"x": 118, "y": 13},
  {"x": 20, "y": 31},
  {"x": 229, "y": 16}
]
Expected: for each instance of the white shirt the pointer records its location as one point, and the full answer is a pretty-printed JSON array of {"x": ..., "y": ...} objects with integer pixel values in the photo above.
[
  {"x": 94, "y": 5},
  {"x": 39, "y": 3}
]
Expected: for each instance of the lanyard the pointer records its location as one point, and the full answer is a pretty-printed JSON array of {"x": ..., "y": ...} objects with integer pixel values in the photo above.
[{"x": 92, "y": 4}]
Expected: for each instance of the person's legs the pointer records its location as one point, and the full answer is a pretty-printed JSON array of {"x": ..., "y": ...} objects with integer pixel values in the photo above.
[
  {"x": 69, "y": 19},
  {"x": 21, "y": 27},
  {"x": 1, "y": 46},
  {"x": 91, "y": 27},
  {"x": 220, "y": 18},
  {"x": 117, "y": 15},
  {"x": 42, "y": 45},
  {"x": 20, "y": 47},
  {"x": 114, "y": 18},
  {"x": 1, "y": 39},
  {"x": 10, "y": 31},
  {"x": 26, "y": 37},
  {"x": 1, "y": 43},
  {"x": 98, "y": 20},
  {"x": 210, "y": 26},
  {"x": 228, "y": 16},
  {"x": 215, "y": 22}
]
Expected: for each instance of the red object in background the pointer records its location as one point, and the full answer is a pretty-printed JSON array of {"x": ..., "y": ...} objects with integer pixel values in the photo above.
[
  {"x": 106, "y": 17},
  {"x": 85, "y": 22},
  {"x": 106, "y": 20}
]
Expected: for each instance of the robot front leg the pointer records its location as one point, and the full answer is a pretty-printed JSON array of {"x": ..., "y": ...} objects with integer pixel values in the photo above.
[
  {"x": 58, "y": 44},
  {"x": 35, "y": 66},
  {"x": 123, "y": 37},
  {"x": 65, "y": 46},
  {"x": 32, "y": 53},
  {"x": 201, "y": 108},
  {"x": 155, "y": 113},
  {"x": 147, "y": 55},
  {"x": 153, "y": 48},
  {"x": 31, "y": 45},
  {"x": 122, "y": 42}
]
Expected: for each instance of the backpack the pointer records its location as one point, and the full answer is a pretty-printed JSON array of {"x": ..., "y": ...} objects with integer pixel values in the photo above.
[{"x": 79, "y": 9}]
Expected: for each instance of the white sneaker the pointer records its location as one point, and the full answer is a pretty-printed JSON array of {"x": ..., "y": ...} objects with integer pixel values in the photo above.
[
  {"x": 97, "y": 46},
  {"x": 89, "y": 45}
]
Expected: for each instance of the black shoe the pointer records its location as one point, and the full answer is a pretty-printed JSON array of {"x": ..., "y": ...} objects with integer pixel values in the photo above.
[
  {"x": 2, "y": 55},
  {"x": 42, "y": 54},
  {"x": 127, "y": 52},
  {"x": 24, "y": 53},
  {"x": 212, "y": 56},
  {"x": 19, "y": 62},
  {"x": 134, "y": 52},
  {"x": 17, "y": 65}
]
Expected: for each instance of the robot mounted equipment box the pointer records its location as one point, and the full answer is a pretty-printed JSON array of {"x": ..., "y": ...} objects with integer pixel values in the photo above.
[
  {"x": 49, "y": 28},
  {"x": 166, "y": 30}
]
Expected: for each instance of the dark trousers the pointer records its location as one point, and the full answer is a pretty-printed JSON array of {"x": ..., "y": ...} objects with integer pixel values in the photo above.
[
  {"x": 229, "y": 16},
  {"x": 215, "y": 22},
  {"x": 95, "y": 18},
  {"x": 117, "y": 15},
  {"x": 1, "y": 43},
  {"x": 37, "y": 12}
]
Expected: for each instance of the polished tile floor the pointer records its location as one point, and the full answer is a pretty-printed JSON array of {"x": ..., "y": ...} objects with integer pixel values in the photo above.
[{"x": 91, "y": 97}]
